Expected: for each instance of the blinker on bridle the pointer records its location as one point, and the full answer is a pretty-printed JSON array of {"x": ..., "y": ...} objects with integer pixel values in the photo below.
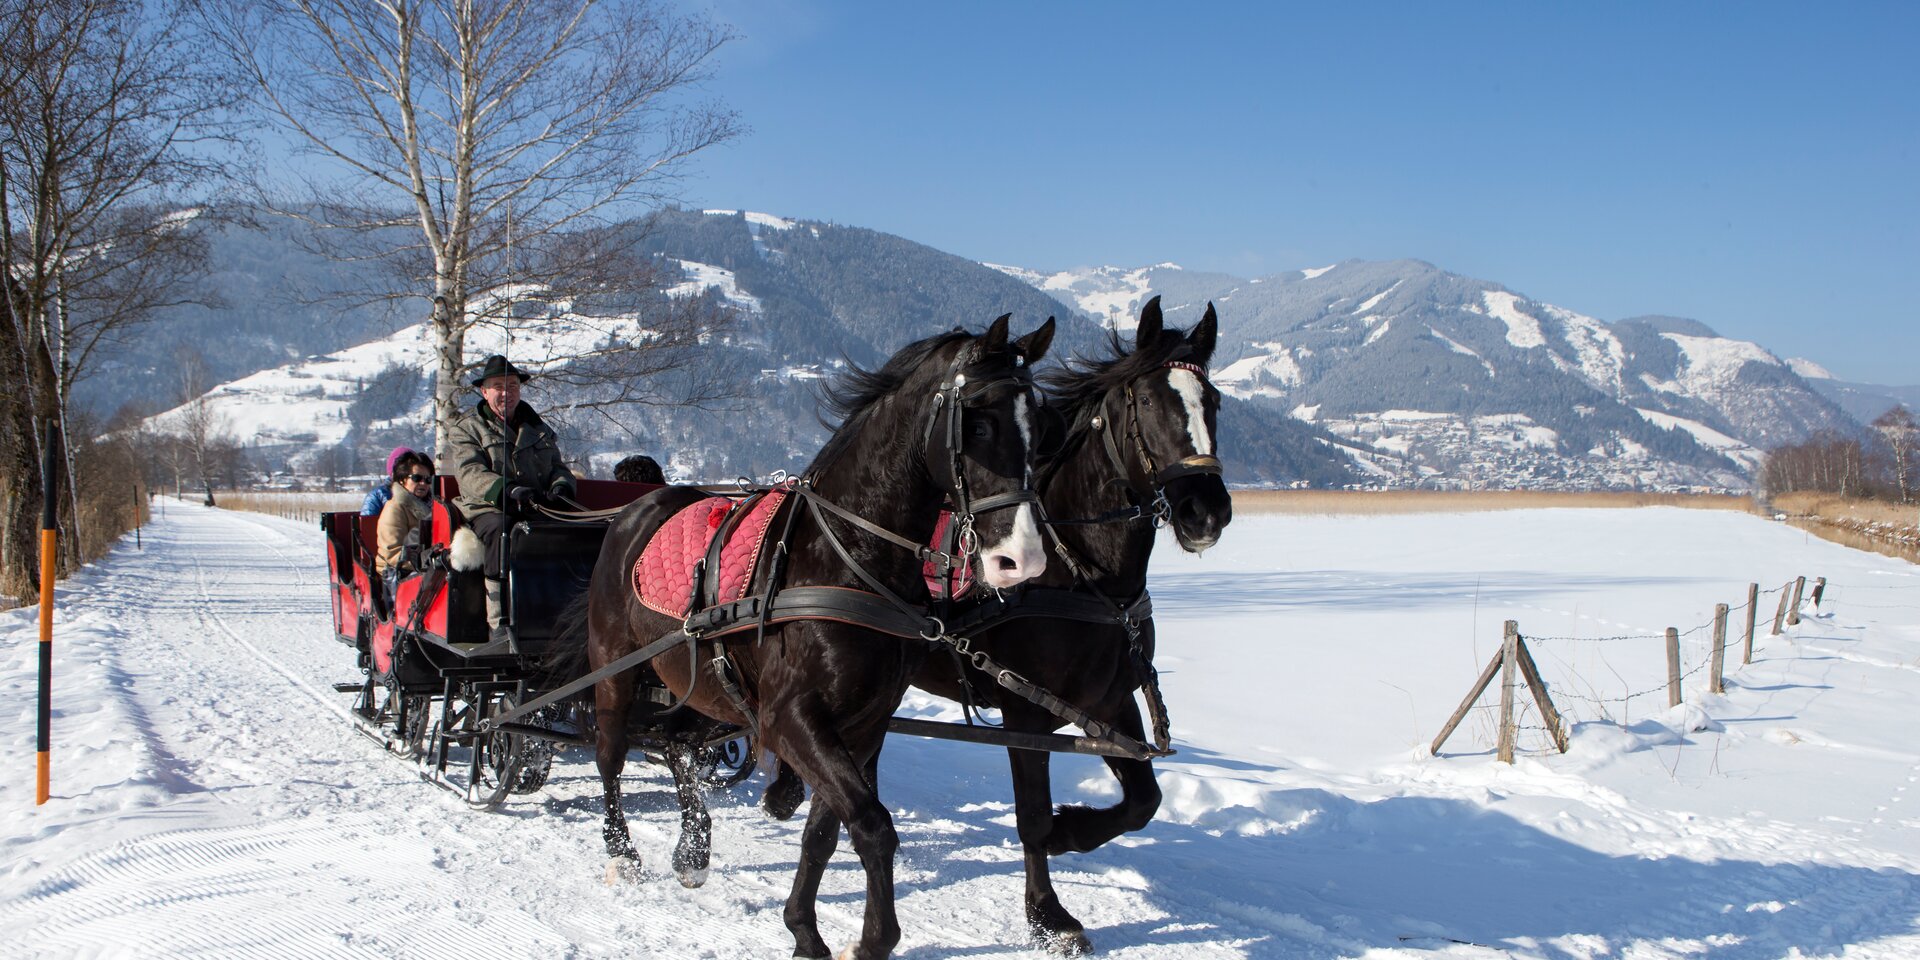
[{"x": 956, "y": 389}]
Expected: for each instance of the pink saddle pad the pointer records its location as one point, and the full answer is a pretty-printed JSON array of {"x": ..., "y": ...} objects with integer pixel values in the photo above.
[{"x": 663, "y": 576}]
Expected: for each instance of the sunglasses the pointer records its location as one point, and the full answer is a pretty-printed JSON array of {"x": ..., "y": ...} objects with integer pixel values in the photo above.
[{"x": 419, "y": 477}]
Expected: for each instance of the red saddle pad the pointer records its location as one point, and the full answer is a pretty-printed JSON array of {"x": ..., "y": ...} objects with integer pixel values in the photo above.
[
  {"x": 663, "y": 576},
  {"x": 958, "y": 580}
]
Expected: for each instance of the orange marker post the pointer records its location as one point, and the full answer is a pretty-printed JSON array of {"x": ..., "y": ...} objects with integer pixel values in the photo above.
[{"x": 49, "y": 541}]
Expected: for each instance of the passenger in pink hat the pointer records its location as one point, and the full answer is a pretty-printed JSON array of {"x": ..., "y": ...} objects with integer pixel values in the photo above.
[{"x": 383, "y": 491}]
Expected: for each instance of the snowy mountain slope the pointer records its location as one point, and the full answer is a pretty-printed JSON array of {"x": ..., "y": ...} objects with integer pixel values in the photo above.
[
  {"x": 209, "y": 798},
  {"x": 809, "y": 296},
  {"x": 1358, "y": 339}
]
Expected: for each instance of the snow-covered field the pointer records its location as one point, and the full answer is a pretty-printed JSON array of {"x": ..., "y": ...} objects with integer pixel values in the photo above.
[{"x": 210, "y": 799}]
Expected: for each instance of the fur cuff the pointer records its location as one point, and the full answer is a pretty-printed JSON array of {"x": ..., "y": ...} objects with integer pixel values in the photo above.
[{"x": 468, "y": 553}]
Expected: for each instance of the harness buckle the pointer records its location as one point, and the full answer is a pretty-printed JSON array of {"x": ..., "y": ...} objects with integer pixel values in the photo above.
[
  {"x": 1162, "y": 510},
  {"x": 939, "y": 633},
  {"x": 968, "y": 541}
]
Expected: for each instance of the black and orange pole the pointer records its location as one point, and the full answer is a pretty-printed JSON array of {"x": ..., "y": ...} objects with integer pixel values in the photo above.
[{"x": 49, "y": 537}]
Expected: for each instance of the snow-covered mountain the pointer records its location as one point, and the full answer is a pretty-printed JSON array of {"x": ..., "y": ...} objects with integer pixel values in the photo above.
[
  {"x": 1392, "y": 373},
  {"x": 808, "y": 297},
  {"x": 1441, "y": 378},
  {"x": 1865, "y": 401}
]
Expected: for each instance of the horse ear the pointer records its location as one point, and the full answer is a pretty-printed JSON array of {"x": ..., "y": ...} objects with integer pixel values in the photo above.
[
  {"x": 1150, "y": 324},
  {"x": 1204, "y": 335},
  {"x": 995, "y": 339},
  {"x": 1033, "y": 346}
]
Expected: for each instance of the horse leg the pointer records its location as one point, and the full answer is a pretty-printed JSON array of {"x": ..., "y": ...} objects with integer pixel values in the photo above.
[
  {"x": 843, "y": 792},
  {"x": 1048, "y": 923},
  {"x": 1078, "y": 829},
  {"x": 817, "y": 843},
  {"x": 696, "y": 826},
  {"x": 785, "y": 794},
  {"x": 610, "y": 742}
]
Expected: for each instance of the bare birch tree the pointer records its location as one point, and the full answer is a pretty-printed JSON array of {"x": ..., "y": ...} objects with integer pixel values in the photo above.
[
  {"x": 482, "y": 147},
  {"x": 106, "y": 120},
  {"x": 1898, "y": 429}
]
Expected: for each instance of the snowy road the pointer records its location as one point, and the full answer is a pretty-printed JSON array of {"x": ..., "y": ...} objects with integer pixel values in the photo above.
[{"x": 211, "y": 800}]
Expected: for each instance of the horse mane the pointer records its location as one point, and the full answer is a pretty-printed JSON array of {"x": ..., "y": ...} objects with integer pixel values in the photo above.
[
  {"x": 1078, "y": 385},
  {"x": 856, "y": 392}
]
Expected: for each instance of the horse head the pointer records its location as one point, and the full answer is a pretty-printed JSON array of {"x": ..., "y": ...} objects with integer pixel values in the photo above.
[
  {"x": 1155, "y": 410},
  {"x": 981, "y": 449},
  {"x": 961, "y": 407}
]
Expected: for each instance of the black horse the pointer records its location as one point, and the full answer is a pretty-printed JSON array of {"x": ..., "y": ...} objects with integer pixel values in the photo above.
[
  {"x": 1138, "y": 444},
  {"x": 950, "y": 418}
]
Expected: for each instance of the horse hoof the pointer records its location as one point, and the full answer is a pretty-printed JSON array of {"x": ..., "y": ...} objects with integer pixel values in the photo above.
[
  {"x": 623, "y": 870},
  {"x": 691, "y": 878},
  {"x": 784, "y": 797},
  {"x": 1063, "y": 943}
]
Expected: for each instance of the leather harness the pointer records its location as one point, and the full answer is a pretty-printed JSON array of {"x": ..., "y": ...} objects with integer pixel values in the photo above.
[{"x": 880, "y": 609}]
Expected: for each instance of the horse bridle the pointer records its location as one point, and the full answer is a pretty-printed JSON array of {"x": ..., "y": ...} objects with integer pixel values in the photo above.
[
  {"x": 955, "y": 390},
  {"x": 1146, "y": 479}
]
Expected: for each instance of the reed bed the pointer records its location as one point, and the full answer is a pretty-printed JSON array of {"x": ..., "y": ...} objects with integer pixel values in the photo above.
[
  {"x": 298, "y": 506},
  {"x": 1366, "y": 502}
]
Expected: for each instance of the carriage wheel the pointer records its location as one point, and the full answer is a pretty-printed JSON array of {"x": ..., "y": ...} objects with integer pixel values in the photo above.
[
  {"x": 726, "y": 763},
  {"x": 536, "y": 762},
  {"x": 415, "y": 730},
  {"x": 495, "y": 762}
]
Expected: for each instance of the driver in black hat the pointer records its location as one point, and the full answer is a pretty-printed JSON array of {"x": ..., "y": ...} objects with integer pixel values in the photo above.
[{"x": 507, "y": 460}]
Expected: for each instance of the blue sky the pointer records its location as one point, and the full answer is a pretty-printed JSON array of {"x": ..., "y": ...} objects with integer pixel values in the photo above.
[{"x": 1753, "y": 166}]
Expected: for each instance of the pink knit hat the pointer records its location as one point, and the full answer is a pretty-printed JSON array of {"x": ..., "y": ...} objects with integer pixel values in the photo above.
[{"x": 396, "y": 455}]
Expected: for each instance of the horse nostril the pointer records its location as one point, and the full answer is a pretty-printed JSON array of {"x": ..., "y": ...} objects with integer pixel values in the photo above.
[{"x": 1006, "y": 563}]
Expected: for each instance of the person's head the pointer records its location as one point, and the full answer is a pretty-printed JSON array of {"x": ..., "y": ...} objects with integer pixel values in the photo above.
[
  {"x": 413, "y": 472},
  {"x": 639, "y": 468},
  {"x": 394, "y": 457},
  {"x": 499, "y": 384}
]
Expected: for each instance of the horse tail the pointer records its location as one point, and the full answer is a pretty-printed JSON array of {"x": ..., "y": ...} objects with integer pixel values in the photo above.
[{"x": 566, "y": 658}]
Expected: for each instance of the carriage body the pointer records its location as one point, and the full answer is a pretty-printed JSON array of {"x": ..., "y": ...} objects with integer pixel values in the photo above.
[{"x": 428, "y": 671}]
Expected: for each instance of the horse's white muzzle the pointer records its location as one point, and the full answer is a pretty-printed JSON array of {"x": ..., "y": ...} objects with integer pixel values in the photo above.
[{"x": 1018, "y": 558}]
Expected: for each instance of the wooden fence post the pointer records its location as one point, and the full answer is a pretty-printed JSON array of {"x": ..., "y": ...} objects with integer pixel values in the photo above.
[
  {"x": 1715, "y": 683},
  {"x": 1460, "y": 712},
  {"x": 1780, "y": 615},
  {"x": 1793, "y": 610},
  {"x": 1753, "y": 599},
  {"x": 1673, "y": 666},
  {"x": 1509, "y": 671},
  {"x": 1819, "y": 589},
  {"x": 1531, "y": 671}
]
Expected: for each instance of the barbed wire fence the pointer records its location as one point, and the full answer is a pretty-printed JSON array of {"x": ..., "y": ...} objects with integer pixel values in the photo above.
[{"x": 1701, "y": 649}]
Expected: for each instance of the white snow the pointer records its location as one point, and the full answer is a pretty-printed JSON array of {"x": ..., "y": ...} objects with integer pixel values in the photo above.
[
  {"x": 767, "y": 220},
  {"x": 1712, "y": 362},
  {"x": 1523, "y": 330},
  {"x": 1460, "y": 348},
  {"x": 1601, "y": 354},
  {"x": 1379, "y": 331},
  {"x": 1707, "y": 436},
  {"x": 1309, "y": 273},
  {"x": 1809, "y": 370},
  {"x": 1374, "y": 300},
  {"x": 209, "y": 798},
  {"x": 1267, "y": 374},
  {"x": 703, "y": 276}
]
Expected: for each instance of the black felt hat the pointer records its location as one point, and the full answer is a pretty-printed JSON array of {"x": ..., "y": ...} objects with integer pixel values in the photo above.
[{"x": 497, "y": 366}]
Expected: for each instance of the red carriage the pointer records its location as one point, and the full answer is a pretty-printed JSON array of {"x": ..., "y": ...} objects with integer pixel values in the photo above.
[{"x": 430, "y": 676}]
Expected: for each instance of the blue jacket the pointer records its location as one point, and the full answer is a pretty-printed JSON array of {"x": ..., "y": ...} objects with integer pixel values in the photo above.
[{"x": 376, "y": 500}]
